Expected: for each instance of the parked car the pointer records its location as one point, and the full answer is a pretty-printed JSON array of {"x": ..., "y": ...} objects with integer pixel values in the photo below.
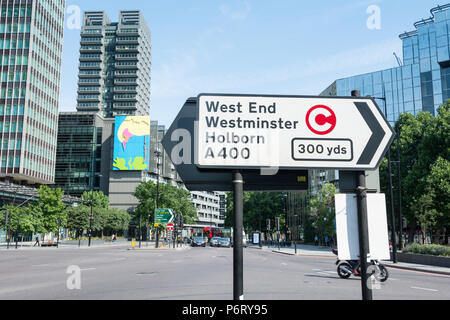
[
  {"x": 199, "y": 242},
  {"x": 214, "y": 242},
  {"x": 224, "y": 242}
]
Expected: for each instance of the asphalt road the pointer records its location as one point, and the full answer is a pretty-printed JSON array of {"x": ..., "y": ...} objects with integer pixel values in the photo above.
[{"x": 193, "y": 274}]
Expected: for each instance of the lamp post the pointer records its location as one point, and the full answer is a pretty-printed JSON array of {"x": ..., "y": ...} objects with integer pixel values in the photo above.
[
  {"x": 91, "y": 217},
  {"x": 158, "y": 154}
]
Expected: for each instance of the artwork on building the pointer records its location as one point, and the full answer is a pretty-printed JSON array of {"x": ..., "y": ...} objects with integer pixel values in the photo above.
[{"x": 131, "y": 143}]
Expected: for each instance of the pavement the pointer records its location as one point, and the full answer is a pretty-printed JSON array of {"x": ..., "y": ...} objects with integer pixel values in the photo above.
[{"x": 309, "y": 250}]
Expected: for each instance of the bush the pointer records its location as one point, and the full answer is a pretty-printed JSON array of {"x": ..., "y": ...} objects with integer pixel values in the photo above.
[{"x": 430, "y": 249}]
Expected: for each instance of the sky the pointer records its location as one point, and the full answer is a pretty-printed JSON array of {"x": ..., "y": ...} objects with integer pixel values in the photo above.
[{"x": 284, "y": 47}]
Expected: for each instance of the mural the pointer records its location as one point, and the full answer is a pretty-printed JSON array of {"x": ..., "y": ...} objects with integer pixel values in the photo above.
[{"x": 132, "y": 143}]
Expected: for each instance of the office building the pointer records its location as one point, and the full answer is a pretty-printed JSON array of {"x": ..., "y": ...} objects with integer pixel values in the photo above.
[
  {"x": 31, "y": 39},
  {"x": 421, "y": 83},
  {"x": 79, "y": 152},
  {"x": 115, "y": 65}
]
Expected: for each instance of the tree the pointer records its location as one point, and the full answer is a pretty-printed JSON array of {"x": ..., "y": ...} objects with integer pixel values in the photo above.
[
  {"x": 423, "y": 140},
  {"x": 170, "y": 197},
  {"x": 258, "y": 207},
  {"x": 116, "y": 221},
  {"x": 78, "y": 219},
  {"x": 323, "y": 211},
  {"x": 99, "y": 200},
  {"x": 50, "y": 208}
]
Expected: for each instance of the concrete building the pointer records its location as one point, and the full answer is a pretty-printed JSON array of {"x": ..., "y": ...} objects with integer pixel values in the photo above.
[
  {"x": 115, "y": 65},
  {"x": 208, "y": 205},
  {"x": 31, "y": 39}
]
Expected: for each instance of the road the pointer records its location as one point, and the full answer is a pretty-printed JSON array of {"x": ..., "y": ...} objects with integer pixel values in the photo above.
[{"x": 193, "y": 274}]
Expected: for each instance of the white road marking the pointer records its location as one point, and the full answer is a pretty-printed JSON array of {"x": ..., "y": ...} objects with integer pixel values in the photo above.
[{"x": 426, "y": 289}]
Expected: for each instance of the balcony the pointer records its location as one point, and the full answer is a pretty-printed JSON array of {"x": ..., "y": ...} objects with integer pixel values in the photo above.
[
  {"x": 91, "y": 49},
  {"x": 90, "y": 74},
  {"x": 86, "y": 97},
  {"x": 123, "y": 66},
  {"x": 119, "y": 81},
  {"x": 131, "y": 97},
  {"x": 91, "y": 58},
  {"x": 117, "y": 106},
  {"x": 126, "y": 57},
  {"x": 94, "y": 66},
  {"x": 127, "y": 48},
  {"x": 92, "y": 82},
  {"x": 127, "y": 40}
]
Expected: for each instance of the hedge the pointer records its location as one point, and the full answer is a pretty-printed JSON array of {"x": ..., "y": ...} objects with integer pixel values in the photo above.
[{"x": 430, "y": 249}]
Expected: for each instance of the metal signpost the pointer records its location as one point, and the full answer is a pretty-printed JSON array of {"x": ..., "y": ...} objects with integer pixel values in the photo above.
[{"x": 218, "y": 138}]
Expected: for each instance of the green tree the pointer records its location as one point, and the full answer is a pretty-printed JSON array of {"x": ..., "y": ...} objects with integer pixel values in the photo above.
[
  {"x": 78, "y": 219},
  {"x": 258, "y": 207},
  {"x": 50, "y": 208},
  {"x": 322, "y": 211},
  {"x": 98, "y": 199},
  {"x": 170, "y": 197},
  {"x": 423, "y": 140},
  {"x": 117, "y": 221}
]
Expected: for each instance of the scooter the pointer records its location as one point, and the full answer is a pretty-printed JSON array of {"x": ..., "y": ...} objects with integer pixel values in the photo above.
[{"x": 352, "y": 267}]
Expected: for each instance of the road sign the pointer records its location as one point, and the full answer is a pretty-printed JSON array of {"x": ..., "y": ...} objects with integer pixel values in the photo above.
[
  {"x": 290, "y": 132},
  {"x": 164, "y": 216},
  {"x": 170, "y": 227},
  {"x": 179, "y": 143}
]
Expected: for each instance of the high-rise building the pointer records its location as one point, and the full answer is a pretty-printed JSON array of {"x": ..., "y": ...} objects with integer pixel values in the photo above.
[
  {"x": 115, "y": 65},
  {"x": 79, "y": 152},
  {"x": 31, "y": 39},
  {"x": 422, "y": 83}
]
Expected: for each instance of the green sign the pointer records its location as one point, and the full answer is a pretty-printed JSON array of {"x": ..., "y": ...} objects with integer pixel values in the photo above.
[{"x": 164, "y": 216}]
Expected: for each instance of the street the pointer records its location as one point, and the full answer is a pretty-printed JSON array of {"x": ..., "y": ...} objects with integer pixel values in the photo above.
[{"x": 115, "y": 272}]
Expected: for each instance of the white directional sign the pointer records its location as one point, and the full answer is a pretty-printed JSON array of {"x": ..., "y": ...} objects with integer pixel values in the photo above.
[{"x": 243, "y": 131}]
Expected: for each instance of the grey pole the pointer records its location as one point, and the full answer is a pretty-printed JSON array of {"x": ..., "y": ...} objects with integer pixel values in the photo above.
[
  {"x": 238, "y": 254},
  {"x": 391, "y": 195},
  {"x": 363, "y": 227},
  {"x": 400, "y": 213}
]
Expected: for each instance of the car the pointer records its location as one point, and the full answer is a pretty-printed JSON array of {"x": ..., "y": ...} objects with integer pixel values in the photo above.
[
  {"x": 199, "y": 242},
  {"x": 214, "y": 242},
  {"x": 224, "y": 242}
]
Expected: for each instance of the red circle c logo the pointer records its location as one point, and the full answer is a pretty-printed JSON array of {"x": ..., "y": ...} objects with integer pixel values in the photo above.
[{"x": 321, "y": 120}]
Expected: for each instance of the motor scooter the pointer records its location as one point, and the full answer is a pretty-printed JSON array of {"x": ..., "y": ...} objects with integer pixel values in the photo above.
[{"x": 347, "y": 268}]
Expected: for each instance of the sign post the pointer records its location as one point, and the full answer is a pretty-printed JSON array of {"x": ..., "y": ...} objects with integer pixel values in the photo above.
[
  {"x": 238, "y": 253},
  {"x": 218, "y": 141}
]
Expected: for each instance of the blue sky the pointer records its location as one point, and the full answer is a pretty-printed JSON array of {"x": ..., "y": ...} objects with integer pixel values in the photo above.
[{"x": 256, "y": 46}]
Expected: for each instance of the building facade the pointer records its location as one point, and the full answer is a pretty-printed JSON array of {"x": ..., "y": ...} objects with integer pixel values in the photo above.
[
  {"x": 79, "y": 152},
  {"x": 208, "y": 205},
  {"x": 422, "y": 82},
  {"x": 115, "y": 65},
  {"x": 31, "y": 39}
]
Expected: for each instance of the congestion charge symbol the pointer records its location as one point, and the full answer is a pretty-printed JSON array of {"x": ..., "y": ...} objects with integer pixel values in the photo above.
[{"x": 321, "y": 120}]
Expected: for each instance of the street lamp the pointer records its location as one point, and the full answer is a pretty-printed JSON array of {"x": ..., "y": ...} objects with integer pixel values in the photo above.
[
  {"x": 158, "y": 154},
  {"x": 91, "y": 217}
]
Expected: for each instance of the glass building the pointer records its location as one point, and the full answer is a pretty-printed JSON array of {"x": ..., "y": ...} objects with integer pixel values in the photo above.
[
  {"x": 78, "y": 158},
  {"x": 31, "y": 39},
  {"x": 422, "y": 82},
  {"x": 115, "y": 65}
]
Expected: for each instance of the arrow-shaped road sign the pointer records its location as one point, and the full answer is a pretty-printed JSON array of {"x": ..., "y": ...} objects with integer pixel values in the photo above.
[
  {"x": 290, "y": 132},
  {"x": 164, "y": 216},
  {"x": 179, "y": 143}
]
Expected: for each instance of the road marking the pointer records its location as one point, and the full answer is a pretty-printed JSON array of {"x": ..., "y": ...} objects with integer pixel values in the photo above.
[
  {"x": 426, "y": 289},
  {"x": 284, "y": 264}
]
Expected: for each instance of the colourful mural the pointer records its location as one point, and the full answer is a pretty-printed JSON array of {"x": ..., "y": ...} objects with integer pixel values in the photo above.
[{"x": 132, "y": 143}]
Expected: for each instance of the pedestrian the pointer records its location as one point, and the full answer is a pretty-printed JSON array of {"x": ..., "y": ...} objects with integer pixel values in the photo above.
[
  {"x": 316, "y": 240},
  {"x": 326, "y": 241},
  {"x": 37, "y": 242}
]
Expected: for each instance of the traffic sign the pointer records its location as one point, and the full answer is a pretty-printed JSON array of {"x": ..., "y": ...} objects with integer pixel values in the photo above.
[
  {"x": 180, "y": 144},
  {"x": 164, "y": 216},
  {"x": 170, "y": 227},
  {"x": 290, "y": 132}
]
